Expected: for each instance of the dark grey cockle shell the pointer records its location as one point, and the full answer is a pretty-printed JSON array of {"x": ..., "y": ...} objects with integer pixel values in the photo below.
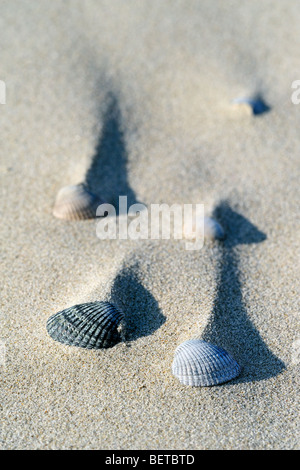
[
  {"x": 92, "y": 325},
  {"x": 75, "y": 202},
  {"x": 202, "y": 364}
]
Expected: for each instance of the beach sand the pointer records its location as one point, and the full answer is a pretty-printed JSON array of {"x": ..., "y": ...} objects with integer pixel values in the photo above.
[{"x": 136, "y": 98}]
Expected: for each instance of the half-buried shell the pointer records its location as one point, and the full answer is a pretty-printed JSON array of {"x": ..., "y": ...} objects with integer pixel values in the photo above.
[
  {"x": 210, "y": 229},
  {"x": 75, "y": 202},
  {"x": 249, "y": 106},
  {"x": 92, "y": 325},
  {"x": 202, "y": 364}
]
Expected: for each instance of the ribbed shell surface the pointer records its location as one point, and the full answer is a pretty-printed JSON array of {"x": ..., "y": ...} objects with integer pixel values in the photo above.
[
  {"x": 92, "y": 325},
  {"x": 75, "y": 203},
  {"x": 202, "y": 364}
]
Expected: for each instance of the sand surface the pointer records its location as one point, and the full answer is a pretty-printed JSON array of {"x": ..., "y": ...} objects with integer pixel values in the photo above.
[{"x": 135, "y": 97}]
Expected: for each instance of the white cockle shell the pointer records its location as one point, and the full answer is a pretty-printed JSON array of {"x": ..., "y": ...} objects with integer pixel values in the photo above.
[
  {"x": 201, "y": 364},
  {"x": 76, "y": 202}
]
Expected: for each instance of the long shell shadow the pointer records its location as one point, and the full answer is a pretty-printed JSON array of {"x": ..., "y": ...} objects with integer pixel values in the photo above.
[
  {"x": 142, "y": 314},
  {"x": 230, "y": 326},
  {"x": 107, "y": 176}
]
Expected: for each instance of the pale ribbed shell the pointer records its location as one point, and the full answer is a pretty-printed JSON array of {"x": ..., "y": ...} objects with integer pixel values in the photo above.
[
  {"x": 92, "y": 325},
  {"x": 202, "y": 364},
  {"x": 75, "y": 203}
]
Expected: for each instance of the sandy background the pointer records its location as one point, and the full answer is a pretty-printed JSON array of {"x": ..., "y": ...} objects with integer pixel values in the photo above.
[{"x": 135, "y": 97}]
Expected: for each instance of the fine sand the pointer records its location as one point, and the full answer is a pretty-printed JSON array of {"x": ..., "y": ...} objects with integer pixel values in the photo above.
[{"x": 135, "y": 98}]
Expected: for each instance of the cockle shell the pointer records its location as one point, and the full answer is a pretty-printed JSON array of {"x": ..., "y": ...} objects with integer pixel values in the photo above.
[
  {"x": 212, "y": 230},
  {"x": 75, "y": 202},
  {"x": 251, "y": 105},
  {"x": 202, "y": 364},
  {"x": 92, "y": 325}
]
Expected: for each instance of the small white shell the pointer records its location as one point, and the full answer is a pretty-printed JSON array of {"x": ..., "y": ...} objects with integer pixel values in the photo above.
[
  {"x": 212, "y": 230},
  {"x": 75, "y": 202},
  {"x": 202, "y": 364},
  {"x": 250, "y": 105}
]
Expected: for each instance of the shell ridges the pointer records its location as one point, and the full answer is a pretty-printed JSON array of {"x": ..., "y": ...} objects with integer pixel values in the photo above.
[
  {"x": 93, "y": 325},
  {"x": 201, "y": 364},
  {"x": 75, "y": 202}
]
